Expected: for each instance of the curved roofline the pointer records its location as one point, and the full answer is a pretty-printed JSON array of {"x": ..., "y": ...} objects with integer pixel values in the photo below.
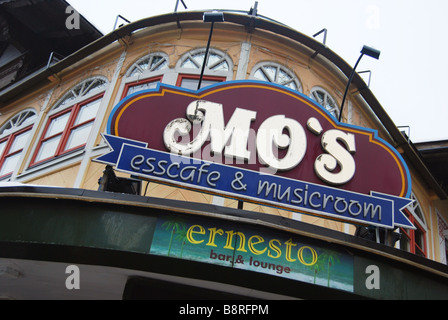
[{"x": 252, "y": 22}]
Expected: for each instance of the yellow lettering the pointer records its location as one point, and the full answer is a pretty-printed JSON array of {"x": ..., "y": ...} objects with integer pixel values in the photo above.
[
  {"x": 289, "y": 244},
  {"x": 213, "y": 232},
  {"x": 251, "y": 243},
  {"x": 275, "y": 248},
  {"x": 302, "y": 260},
  {"x": 192, "y": 231},
  {"x": 230, "y": 235}
]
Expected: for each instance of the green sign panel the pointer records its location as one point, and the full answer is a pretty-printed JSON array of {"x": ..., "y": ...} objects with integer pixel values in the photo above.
[{"x": 222, "y": 243}]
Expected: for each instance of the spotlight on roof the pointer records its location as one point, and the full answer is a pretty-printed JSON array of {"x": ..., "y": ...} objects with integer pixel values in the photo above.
[{"x": 213, "y": 16}]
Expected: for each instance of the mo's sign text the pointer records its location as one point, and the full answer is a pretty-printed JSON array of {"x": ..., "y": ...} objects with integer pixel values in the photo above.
[{"x": 260, "y": 142}]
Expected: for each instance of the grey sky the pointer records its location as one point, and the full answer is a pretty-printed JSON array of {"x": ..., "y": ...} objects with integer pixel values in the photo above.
[{"x": 410, "y": 78}]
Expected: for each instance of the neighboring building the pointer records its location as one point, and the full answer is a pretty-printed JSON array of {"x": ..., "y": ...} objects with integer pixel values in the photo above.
[
  {"x": 53, "y": 215},
  {"x": 34, "y": 36}
]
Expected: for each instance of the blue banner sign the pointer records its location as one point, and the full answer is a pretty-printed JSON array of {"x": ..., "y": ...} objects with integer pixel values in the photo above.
[{"x": 375, "y": 209}]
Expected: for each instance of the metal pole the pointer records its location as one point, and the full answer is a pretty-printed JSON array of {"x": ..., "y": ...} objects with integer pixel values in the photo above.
[
  {"x": 206, "y": 55},
  {"x": 348, "y": 85}
]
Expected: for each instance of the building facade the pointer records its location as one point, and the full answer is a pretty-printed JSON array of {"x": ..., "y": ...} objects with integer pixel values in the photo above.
[{"x": 51, "y": 127}]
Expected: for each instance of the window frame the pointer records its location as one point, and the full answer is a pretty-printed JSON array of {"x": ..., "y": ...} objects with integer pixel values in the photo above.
[
  {"x": 70, "y": 126},
  {"x": 128, "y": 85},
  {"x": 148, "y": 72},
  {"x": 9, "y": 142},
  {"x": 209, "y": 74},
  {"x": 146, "y": 76},
  {"x": 446, "y": 248},
  {"x": 410, "y": 234},
  {"x": 212, "y": 51},
  {"x": 327, "y": 95},
  {"x": 183, "y": 76},
  {"x": 17, "y": 127},
  {"x": 13, "y": 122},
  {"x": 278, "y": 66}
]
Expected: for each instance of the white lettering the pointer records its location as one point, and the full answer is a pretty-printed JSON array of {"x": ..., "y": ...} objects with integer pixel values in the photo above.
[
  {"x": 271, "y": 134},
  {"x": 211, "y": 116},
  {"x": 326, "y": 164},
  {"x": 336, "y": 166}
]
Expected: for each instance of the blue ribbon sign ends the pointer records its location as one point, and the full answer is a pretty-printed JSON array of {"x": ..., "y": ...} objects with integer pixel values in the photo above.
[{"x": 376, "y": 209}]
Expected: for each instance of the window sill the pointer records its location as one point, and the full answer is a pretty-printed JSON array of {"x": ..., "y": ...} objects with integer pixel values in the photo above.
[{"x": 51, "y": 165}]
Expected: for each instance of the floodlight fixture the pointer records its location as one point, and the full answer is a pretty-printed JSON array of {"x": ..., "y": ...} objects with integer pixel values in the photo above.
[
  {"x": 213, "y": 16},
  {"x": 371, "y": 52},
  {"x": 366, "y": 50}
]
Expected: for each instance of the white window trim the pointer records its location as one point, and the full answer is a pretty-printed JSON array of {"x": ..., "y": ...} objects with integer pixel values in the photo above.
[
  {"x": 27, "y": 143},
  {"x": 47, "y": 166},
  {"x": 318, "y": 88},
  {"x": 56, "y": 109},
  {"x": 290, "y": 72},
  {"x": 146, "y": 73},
  {"x": 228, "y": 74},
  {"x": 21, "y": 126},
  {"x": 412, "y": 211}
]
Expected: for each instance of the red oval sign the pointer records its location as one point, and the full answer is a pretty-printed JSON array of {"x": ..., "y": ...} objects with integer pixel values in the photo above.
[{"x": 262, "y": 127}]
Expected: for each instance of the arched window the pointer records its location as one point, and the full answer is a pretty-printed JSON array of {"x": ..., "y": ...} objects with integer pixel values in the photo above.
[
  {"x": 414, "y": 241},
  {"x": 326, "y": 100},
  {"x": 276, "y": 73},
  {"x": 13, "y": 137},
  {"x": 219, "y": 68},
  {"x": 145, "y": 73},
  {"x": 70, "y": 121}
]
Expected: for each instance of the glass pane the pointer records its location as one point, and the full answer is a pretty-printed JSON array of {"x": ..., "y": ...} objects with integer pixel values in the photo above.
[
  {"x": 2, "y": 147},
  {"x": 157, "y": 63},
  {"x": 291, "y": 85},
  {"x": 190, "y": 64},
  {"x": 91, "y": 85},
  {"x": 192, "y": 84},
  {"x": 69, "y": 98},
  {"x": 271, "y": 72},
  {"x": 78, "y": 136},
  {"x": 136, "y": 71},
  {"x": 27, "y": 118},
  {"x": 10, "y": 164},
  {"x": 419, "y": 240},
  {"x": 223, "y": 66},
  {"x": 57, "y": 125},
  {"x": 319, "y": 97},
  {"x": 260, "y": 75},
  {"x": 161, "y": 66},
  {"x": 143, "y": 86},
  {"x": 405, "y": 243},
  {"x": 283, "y": 77},
  {"x": 48, "y": 149},
  {"x": 7, "y": 128},
  {"x": 213, "y": 59},
  {"x": 88, "y": 112},
  {"x": 199, "y": 58},
  {"x": 19, "y": 142},
  {"x": 144, "y": 63}
]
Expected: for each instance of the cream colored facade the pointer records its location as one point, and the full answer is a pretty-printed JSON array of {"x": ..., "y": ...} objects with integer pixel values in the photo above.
[{"x": 245, "y": 50}]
